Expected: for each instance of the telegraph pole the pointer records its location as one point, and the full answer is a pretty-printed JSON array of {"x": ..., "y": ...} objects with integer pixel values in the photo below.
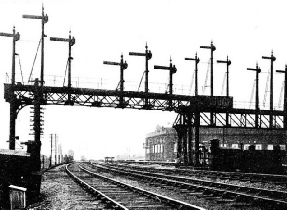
[
  {"x": 13, "y": 106},
  {"x": 148, "y": 56},
  {"x": 211, "y": 48},
  {"x": 51, "y": 135},
  {"x": 44, "y": 19},
  {"x": 272, "y": 59},
  {"x": 55, "y": 149},
  {"x": 196, "y": 59},
  {"x": 123, "y": 65},
  {"x": 71, "y": 41},
  {"x": 285, "y": 95},
  {"x": 258, "y": 70}
]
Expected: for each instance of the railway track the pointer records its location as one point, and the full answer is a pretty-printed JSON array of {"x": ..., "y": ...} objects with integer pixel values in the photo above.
[
  {"x": 117, "y": 195},
  {"x": 276, "y": 179},
  {"x": 257, "y": 196}
]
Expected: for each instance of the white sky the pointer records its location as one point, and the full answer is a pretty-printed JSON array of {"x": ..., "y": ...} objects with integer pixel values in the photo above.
[{"x": 243, "y": 30}]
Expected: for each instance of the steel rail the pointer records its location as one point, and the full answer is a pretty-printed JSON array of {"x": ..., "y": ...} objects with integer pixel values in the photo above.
[
  {"x": 279, "y": 197},
  {"x": 253, "y": 177},
  {"x": 165, "y": 199},
  {"x": 94, "y": 191}
]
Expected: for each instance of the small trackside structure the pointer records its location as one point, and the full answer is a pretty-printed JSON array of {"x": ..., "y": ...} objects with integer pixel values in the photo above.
[{"x": 17, "y": 197}]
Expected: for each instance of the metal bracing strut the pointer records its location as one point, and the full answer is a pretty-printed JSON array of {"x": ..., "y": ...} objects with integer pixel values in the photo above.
[
  {"x": 71, "y": 41},
  {"x": 272, "y": 58},
  {"x": 258, "y": 70},
  {"x": 148, "y": 56},
  {"x": 196, "y": 59},
  {"x": 44, "y": 19},
  {"x": 228, "y": 63},
  {"x": 13, "y": 106},
  {"x": 285, "y": 95},
  {"x": 123, "y": 65},
  {"x": 212, "y": 48}
]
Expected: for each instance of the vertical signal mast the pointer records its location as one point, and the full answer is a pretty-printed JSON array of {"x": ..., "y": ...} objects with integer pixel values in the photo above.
[
  {"x": 272, "y": 59},
  {"x": 172, "y": 70},
  {"x": 148, "y": 56},
  {"x": 123, "y": 65},
  {"x": 16, "y": 37},
  {"x": 258, "y": 70},
  {"x": 212, "y": 48},
  {"x": 71, "y": 42},
  {"x": 228, "y": 63},
  {"x": 44, "y": 19},
  {"x": 13, "y": 106},
  {"x": 196, "y": 59}
]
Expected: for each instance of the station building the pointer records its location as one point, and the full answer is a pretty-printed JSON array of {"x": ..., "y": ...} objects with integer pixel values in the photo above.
[{"x": 161, "y": 145}]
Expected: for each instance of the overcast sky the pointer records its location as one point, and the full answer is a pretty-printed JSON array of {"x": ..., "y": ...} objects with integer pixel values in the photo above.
[{"x": 243, "y": 30}]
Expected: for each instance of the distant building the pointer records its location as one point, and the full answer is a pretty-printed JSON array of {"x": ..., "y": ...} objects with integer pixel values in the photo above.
[{"x": 161, "y": 144}]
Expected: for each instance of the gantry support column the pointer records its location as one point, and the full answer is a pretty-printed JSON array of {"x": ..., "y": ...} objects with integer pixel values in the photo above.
[
  {"x": 13, "y": 117},
  {"x": 196, "y": 137},
  {"x": 182, "y": 141},
  {"x": 36, "y": 157},
  {"x": 190, "y": 145}
]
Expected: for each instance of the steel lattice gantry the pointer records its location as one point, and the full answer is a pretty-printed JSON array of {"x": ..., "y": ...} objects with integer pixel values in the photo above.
[
  {"x": 193, "y": 111},
  {"x": 23, "y": 95}
]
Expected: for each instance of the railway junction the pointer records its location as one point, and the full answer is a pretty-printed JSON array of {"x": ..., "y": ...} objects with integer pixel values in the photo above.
[{"x": 194, "y": 112}]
